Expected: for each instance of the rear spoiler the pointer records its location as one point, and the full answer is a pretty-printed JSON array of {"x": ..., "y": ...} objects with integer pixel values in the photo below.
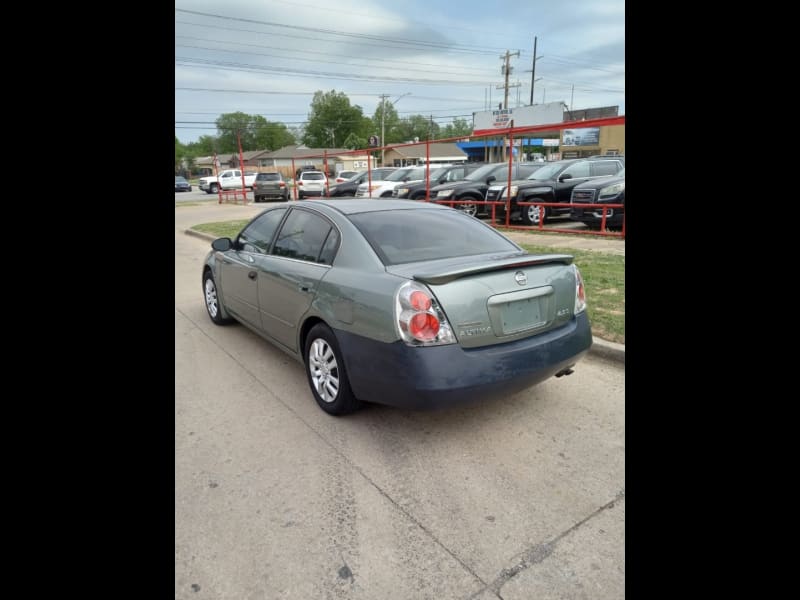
[{"x": 499, "y": 265}]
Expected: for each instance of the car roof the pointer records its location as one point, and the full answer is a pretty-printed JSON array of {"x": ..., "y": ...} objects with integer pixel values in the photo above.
[{"x": 352, "y": 206}]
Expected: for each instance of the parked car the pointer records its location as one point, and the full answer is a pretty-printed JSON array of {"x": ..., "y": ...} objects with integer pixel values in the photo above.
[
  {"x": 311, "y": 183},
  {"x": 385, "y": 188},
  {"x": 343, "y": 176},
  {"x": 588, "y": 198},
  {"x": 349, "y": 187},
  {"x": 270, "y": 186},
  {"x": 397, "y": 302},
  {"x": 552, "y": 183},
  {"x": 304, "y": 168},
  {"x": 440, "y": 175},
  {"x": 473, "y": 187},
  {"x": 181, "y": 185}
]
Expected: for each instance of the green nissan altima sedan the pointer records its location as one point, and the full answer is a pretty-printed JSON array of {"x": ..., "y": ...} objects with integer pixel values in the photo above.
[{"x": 398, "y": 302}]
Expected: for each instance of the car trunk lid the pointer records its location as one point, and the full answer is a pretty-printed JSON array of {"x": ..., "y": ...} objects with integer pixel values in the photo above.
[{"x": 490, "y": 300}]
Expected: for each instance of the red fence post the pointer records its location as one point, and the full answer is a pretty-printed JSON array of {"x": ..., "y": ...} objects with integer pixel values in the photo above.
[
  {"x": 428, "y": 172},
  {"x": 294, "y": 179},
  {"x": 325, "y": 168},
  {"x": 216, "y": 174},
  {"x": 241, "y": 166}
]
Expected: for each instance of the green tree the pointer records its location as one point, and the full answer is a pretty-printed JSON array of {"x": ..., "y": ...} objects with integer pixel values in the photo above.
[
  {"x": 268, "y": 135},
  {"x": 391, "y": 120},
  {"x": 332, "y": 119},
  {"x": 228, "y": 124},
  {"x": 353, "y": 142},
  {"x": 458, "y": 128},
  {"x": 204, "y": 146},
  {"x": 180, "y": 152},
  {"x": 417, "y": 126}
]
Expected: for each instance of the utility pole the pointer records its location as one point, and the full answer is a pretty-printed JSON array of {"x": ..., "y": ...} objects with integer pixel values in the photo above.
[
  {"x": 383, "y": 110},
  {"x": 571, "y": 95},
  {"x": 383, "y": 98},
  {"x": 533, "y": 68},
  {"x": 506, "y": 70}
]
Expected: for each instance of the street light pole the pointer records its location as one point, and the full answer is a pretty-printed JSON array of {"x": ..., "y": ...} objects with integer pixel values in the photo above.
[{"x": 383, "y": 119}]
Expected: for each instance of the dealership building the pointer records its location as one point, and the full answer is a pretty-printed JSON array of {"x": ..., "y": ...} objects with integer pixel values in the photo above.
[{"x": 571, "y": 141}]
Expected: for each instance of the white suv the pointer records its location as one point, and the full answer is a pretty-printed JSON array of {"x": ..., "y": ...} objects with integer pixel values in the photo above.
[
  {"x": 311, "y": 183},
  {"x": 384, "y": 189}
]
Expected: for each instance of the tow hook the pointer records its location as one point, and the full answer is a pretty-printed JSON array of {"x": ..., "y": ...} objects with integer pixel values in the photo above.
[{"x": 568, "y": 371}]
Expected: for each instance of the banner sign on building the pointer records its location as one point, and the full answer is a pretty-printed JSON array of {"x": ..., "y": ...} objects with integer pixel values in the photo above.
[
  {"x": 490, "y": 122},
  {"x": 589, "y": 136}
]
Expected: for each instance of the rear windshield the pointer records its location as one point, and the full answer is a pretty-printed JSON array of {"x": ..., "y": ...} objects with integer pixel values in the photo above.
[
  {"x": 312, "y": 175},
  {"x": 405, "y": 236}
]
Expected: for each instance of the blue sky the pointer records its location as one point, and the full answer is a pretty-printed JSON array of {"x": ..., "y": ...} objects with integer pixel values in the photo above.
[{"x": 436, "y": 57}]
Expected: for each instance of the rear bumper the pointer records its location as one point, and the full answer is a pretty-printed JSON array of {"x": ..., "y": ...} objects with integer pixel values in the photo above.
[{"x": 442, "y": 376}]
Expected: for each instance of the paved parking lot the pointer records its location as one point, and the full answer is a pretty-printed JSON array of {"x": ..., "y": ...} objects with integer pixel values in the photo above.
[{"x": 522, "y": 497}]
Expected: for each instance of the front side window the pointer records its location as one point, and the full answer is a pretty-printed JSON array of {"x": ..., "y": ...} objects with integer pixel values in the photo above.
[
  {"x": 578, "y": 169},
  {"x": 257, "y": 236},
  {"x": 303, "y": 236}
]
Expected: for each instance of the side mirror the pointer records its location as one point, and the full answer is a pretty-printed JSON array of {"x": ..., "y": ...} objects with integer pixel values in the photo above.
[
  {"x": 222, "y": 244},
  {"x": 565, "y": 176},
  {"x": 490, "y": 179}
]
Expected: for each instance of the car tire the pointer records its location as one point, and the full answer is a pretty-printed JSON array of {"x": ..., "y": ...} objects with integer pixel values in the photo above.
[
  {"x": 532, "y": 213},
  {"x": 213, "y": 305},
  {"x": 326, "y": 373},
  {"x": 213, "y": 188},
  {"x": 258, "y": 198},
  {"x": 468, "y": 209}
]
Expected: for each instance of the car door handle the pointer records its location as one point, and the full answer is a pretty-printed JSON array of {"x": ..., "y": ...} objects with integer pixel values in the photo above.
[
  {"x": 306, "y": 288},
  {"x": 252, "y": 274}
]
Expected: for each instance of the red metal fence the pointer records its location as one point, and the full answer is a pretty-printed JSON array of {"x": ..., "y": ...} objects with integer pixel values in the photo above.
[{"x": 509, "y": 135}]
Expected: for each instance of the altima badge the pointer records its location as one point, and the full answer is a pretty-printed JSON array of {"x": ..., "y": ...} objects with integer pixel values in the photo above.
[{"x": 521, "y": 278}]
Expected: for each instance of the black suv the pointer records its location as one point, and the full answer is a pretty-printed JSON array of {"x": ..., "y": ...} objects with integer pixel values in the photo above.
[
  {"x": 270, "y": 185},
  {"x": 473, "y": 186},
  {"x": 439, "y": 175},
  {"x": 587, "y": 196},
  {"x": 552, "y": 183}
]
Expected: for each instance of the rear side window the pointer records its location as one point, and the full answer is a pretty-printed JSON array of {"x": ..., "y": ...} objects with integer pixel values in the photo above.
[
  {"x": 404, "y": 236},
  {"x": 303, "y": 236},
  {"x": 606, "y": 167},
  {"x": 257, "y": 236}
]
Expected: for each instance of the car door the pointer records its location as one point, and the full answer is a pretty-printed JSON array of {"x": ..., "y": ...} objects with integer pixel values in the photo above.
[
  {"x": 289, "y": 276},
  {"x": 239, "y": 267}
]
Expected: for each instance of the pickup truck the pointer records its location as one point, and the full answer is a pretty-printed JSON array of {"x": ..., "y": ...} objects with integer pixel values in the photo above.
[{"x": 230, "y": 179}]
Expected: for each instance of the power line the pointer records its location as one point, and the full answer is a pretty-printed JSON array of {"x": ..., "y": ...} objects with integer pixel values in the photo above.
[
  {"x": 235, "y": 66},
  {"x": 316, "y": 60},
  {"x": 361, "y": 36},
  {"x": 326, "y": 54}
]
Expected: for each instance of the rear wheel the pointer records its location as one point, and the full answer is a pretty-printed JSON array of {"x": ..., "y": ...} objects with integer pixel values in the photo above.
[{"x": 326, "y": 372}]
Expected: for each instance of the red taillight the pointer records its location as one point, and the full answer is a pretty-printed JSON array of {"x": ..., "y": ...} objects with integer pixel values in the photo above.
[
  {"x": 423, "y": 326},
  {"x": 300, "y": 182},
  {"x": 420, "y": 301},
  {"x": 420, "y": 319},
  {"x": 281, "y": 184},
  {"x": 580, "y": 292}
]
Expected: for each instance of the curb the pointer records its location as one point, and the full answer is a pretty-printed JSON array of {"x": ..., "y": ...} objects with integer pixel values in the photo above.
[
  {"x": 601, "y": 348},
  {"x": 608, "y": 350}
]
